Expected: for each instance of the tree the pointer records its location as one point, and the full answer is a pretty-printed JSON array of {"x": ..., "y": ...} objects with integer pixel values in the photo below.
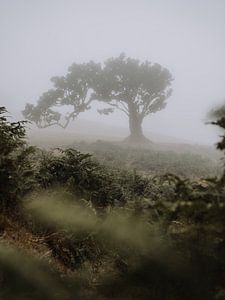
[
  {"x": 73, "y": 90},
  {"x": 219, "y": 115},
  {"x": 135, "y": 88},
  {"x": 219, "y": 120}
]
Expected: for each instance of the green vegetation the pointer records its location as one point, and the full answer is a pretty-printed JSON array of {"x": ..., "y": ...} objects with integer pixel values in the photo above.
[
  {"x": 15, "y": 163},
  {"x": 151, "y": 161},
  {"x": 76, "y": 227}
]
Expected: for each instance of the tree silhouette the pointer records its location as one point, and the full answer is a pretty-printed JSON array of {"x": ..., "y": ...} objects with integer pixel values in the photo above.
[
  {"x": 219, "y": 120},
  {"x": 133, "y": 87},
  {"x": 72, "y": 90}
]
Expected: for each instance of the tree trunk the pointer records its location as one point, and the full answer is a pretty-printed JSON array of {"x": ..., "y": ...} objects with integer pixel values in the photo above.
[{"x": 135, "y": 124}]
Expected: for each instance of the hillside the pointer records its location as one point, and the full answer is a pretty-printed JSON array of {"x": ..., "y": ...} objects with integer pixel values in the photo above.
[
  {"x": 90, "y": 131},
  {"x": 163, "y": 155},
  {"x": 74, "y": 226}
]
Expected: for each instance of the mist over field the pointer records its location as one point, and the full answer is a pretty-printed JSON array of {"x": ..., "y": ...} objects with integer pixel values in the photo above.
[
  {"x": 112, "y": 149},
  {"x": 41, "y": 39}
]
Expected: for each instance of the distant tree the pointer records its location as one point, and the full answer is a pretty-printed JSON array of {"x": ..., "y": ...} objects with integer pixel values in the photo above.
[
  {"x": 135, "y": 88},
  {"x": 72, "y": 90},
  {"x": 219, "y": 120},
  {"x": 219, "y": 115}
]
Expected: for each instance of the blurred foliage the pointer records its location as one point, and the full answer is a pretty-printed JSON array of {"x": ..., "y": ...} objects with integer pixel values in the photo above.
[
  {"x": 110, "y": 233},
  {"x": 24, "y": 277}
]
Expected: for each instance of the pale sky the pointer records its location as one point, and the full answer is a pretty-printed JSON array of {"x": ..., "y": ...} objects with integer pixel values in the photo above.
[{"x": 41, "y": 38}]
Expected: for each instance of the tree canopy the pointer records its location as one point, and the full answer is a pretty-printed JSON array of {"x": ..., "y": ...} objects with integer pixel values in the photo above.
[
  {"x": 72, "y": 90},
  {"x": 218, "y": 116},
  {"x": 133, "y": 87}
]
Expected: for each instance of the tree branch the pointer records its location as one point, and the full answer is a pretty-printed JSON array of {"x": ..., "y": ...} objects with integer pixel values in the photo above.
[{"x": 120, "y": 108}]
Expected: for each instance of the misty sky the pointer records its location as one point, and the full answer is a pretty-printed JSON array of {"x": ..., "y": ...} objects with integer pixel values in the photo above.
[{"x": 41, "y": 38}]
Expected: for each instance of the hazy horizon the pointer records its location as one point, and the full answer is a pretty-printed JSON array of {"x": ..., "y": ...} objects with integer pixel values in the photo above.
[{"x": 41, "y": 39}]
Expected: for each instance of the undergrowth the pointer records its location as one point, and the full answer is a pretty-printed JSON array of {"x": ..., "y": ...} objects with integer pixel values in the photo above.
[{"x": 117, "y": 233}]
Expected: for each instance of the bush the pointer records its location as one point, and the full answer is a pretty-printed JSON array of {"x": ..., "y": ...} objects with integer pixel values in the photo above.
[{"x": 15, "y": 163}]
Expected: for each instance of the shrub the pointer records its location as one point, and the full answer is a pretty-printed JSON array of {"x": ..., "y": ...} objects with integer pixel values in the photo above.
[{"x": 15, "y": 164}]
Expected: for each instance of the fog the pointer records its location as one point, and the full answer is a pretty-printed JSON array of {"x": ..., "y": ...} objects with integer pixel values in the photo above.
[{"x": 40, "y": 39}]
